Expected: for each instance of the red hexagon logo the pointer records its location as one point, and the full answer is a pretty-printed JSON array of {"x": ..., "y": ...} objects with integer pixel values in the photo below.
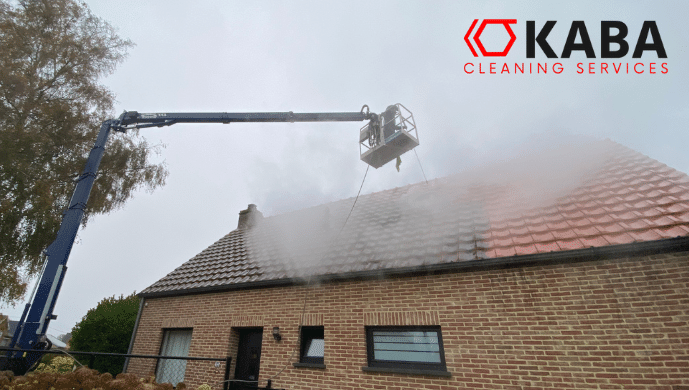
[{"x": 477, "y": 37}]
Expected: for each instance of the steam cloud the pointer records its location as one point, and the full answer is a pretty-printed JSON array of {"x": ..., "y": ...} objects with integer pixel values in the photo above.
[{"x": 443, "y": 221}]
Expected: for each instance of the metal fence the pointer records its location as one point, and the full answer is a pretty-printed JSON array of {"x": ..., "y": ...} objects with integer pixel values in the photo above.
[
  {"x": 168, "y": 369},
  {"x": 240, "y": 385}
]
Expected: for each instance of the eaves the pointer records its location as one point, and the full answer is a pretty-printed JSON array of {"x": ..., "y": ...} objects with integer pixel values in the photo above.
[{"x": 611, "y": 252}]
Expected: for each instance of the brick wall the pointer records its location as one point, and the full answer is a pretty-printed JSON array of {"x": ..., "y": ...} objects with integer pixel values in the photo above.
[{"x": 616, "y": 324}]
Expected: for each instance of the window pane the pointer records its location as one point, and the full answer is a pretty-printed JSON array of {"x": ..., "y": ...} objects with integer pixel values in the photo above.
[
  {"x": 406, "y": 356},
  {"x": 406, "y": 339},
  {"x": 315, "y": 348},
  {"x": 175, "y": 343},
  {"x": 406, "y": 346},
  {"x": 312, "y": 345}
]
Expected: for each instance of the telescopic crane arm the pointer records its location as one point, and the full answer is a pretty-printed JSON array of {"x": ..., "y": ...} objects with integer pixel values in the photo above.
[
  {"x": 133, "y": 119},
  {"x": 32, "y": 327}
]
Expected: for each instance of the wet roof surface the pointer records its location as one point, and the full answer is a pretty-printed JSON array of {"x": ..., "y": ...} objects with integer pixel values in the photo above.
[{"x": 618, "y": 197}]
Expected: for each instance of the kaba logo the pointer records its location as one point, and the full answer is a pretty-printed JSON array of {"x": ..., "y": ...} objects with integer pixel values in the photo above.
[{"x": 577, "y": 29}]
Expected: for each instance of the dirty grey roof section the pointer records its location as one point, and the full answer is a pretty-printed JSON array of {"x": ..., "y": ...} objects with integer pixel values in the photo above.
[{"x": 618, "y": 196}]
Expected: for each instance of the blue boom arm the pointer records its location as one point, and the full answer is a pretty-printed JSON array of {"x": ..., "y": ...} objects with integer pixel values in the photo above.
[{"x": 32, "y": 327}]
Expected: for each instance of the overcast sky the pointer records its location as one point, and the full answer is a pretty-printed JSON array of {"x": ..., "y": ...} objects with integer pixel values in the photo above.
[{"x": 324, "y": 56}]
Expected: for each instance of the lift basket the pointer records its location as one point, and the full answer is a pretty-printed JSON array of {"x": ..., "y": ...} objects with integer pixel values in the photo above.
[{"x": 388, "y": 137}]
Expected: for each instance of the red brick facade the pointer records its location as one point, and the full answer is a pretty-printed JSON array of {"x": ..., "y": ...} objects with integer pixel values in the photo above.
[{"x": 613, "y": 324}]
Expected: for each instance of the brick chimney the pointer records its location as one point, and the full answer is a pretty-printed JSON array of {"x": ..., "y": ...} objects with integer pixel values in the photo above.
[{"x": 249, "y": 217}]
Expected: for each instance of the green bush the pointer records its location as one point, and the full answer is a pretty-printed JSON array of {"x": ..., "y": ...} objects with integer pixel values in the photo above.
[{"x": 106, "y": 328}]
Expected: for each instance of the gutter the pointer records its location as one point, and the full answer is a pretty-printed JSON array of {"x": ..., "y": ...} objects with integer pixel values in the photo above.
[
  {"x": 610, "y": 252},
  {"x": 131, "y": 341}
]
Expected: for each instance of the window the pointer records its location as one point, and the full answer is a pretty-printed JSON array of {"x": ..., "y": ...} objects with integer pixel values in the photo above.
[
  {"x": 312, "y": 345},
  {"x": 175, "y": 343},
  {"x": 405, "y": 347}
]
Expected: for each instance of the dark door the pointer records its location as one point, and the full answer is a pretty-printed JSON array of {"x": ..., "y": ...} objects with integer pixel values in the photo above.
[{"x": 248, "y": 358}]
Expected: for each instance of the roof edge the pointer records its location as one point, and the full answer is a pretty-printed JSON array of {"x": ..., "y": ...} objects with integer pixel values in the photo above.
[{"x": 670, "y": 245}]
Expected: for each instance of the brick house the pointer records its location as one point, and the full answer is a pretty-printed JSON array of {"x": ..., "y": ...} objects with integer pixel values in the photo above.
[{"x": 456, "y": 283}]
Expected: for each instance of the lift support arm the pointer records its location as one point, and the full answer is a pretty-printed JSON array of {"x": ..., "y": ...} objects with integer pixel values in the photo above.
[
  {"x": 33, "y": 325},
  {"x": 139, "y": 120}
]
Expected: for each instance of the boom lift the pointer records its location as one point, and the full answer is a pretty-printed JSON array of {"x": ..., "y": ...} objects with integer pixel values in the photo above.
[{"x": 388, "y": 135}]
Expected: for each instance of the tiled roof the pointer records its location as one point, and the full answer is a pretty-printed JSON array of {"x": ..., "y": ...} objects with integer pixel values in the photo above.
[{"x": 618, "y": 196}]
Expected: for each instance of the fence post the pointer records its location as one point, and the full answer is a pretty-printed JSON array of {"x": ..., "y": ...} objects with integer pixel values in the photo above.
[
  {"x": 92, "y": 360},
  {"x": 226, "y": 384}
]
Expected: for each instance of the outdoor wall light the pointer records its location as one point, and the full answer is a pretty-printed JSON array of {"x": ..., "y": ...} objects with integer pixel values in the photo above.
[{"x": 276, "y": 333}]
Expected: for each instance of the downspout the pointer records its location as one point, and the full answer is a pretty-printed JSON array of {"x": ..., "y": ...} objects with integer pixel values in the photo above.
[{"x": 131, "y": 342}]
